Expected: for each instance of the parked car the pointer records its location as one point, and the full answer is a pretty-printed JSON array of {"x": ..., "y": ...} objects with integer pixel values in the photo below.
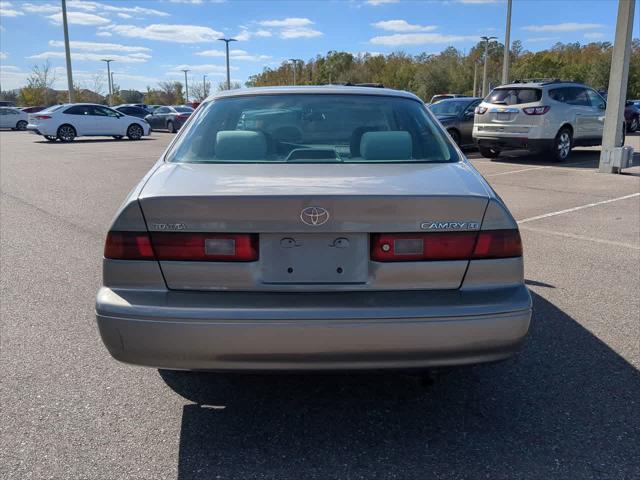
[
  {"x": 444, "y": 96},
  {"x": 132, "y": 110},
  {"x": 370, "y": 242},
  {"x": 33, "y": 109},
  {"x": 68, "y": 121},
  {"x": 169, "y": 118},
  {"x": 456, "y": 115},
  {"x": 552, "y": 116},
  {"x": 13, "y": 118},
  {"x": 631, "y": 113},
  {"x": 151, "y": 108},
  {"x": 7, "y": 103}
]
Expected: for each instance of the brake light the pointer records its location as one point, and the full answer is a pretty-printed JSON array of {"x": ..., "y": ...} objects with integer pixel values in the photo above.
[
  {"x": 413, "y": 247},
  {"x": 43, "y": 117},
  {"x": 128, "y": 246},
  {"x": 205, "y": 247},
  {"x": 481, "y": 110},
  {"x": 536, "y": 110},
  {"x": 183, "y": 116}
]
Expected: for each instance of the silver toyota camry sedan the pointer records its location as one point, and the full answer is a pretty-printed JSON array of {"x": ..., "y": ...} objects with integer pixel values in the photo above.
[{"x": 306, "y": 228}]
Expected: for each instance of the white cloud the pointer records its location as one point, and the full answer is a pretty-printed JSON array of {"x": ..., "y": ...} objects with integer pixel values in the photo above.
[
  {"x": 478, "y": 2},
  {"x": 234, "y": 54},
  {"x": 12, "y": 77},
  {"x": 287, "y": 22},
  {"x": 104, "y": 33},
  {"x": 419, "y": 39},
  {"x": 91, "y": 6},
  {"x": 98, "y": 46},
  {"x": 209, "y": 69},
  {"x": 542, "y": 39},
  {"x": 168, "y": 33},
  {"x": 124, "y": 15},
  {"x": 79, "y": 18},
  {"x": 95, "y": 57},
  {"x": 40, "y": 8},
  {"x": 245, "y": 34},
  {"x": 594, "y": 35},
  {"x": 302, "y": 32},
  {"x": 562, "y": 27},
  {"x": 403, "y": 26},
  {"x": 6, "y": 10},
  {"x": 375, "y": 3}
]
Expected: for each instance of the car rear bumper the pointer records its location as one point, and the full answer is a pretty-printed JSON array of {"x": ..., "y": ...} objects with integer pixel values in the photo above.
[
  {"x": 513, "y": 143},
  {"x": 323, "y": 331}
]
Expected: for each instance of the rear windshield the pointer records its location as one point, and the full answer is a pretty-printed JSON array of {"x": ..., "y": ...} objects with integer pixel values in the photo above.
[
  {"x": 52, "y": 108},
  {"x": 449, "y": 107},
  {"x": 312, "y": 128},
  {"x": 514, "y": 96},
  {"x": 183, "y": 109}
]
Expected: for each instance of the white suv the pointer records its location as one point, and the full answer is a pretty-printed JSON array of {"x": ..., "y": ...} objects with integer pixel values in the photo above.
[{"x": 552, "y": 116}]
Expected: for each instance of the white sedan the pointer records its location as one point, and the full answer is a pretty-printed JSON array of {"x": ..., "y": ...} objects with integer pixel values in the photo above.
[
  {"x": 68, "y": 121},
  {"x": 13, "y": 118}
]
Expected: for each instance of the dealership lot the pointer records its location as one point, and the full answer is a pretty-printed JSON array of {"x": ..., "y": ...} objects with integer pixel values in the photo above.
[{"x": 566, "y": 407}]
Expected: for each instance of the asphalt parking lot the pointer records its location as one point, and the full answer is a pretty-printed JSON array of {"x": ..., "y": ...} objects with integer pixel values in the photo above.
[{"x": 566, "y": 407}]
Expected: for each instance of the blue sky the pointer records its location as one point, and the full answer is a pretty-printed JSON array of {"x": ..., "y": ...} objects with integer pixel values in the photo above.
[{"x": 152, "y": 40}]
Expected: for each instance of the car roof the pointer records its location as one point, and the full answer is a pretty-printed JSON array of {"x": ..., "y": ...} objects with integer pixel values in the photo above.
[
  {"x": 459, "y": 99},
  {"x": 546, "y": 83},
  {"x": 317, "y": 89}
]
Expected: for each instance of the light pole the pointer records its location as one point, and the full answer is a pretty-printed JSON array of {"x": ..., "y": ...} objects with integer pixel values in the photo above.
[
  {"x": 186, "y": 86},
  {"x": 475, "y": 78},
  {"x": 507, "y": 46},
  {"x": 295, "y": 67},
  {"x": 113, "y": 83},
  {"x": 108, "y": 60},
  {"x": 486, "y": 56},
  {"x": 67, "y": 51},
  {"x": 205, "y": 93},
  {"x": 226, "y": 41}
]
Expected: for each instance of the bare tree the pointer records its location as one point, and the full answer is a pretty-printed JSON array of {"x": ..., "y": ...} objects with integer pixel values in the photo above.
[
  {"x": 223, "y": 86},
  {"x": 97, "y": 83},
  {"x": 200, "y": 91},
  {"x": 39, "y": 84}
]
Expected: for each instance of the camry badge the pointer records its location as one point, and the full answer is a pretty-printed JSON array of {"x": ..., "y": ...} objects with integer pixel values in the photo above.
[{"x": 314, "y": 216}]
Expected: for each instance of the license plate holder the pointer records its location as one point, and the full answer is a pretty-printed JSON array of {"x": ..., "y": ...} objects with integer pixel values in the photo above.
[
  {"x": 309, "y": 258},
  {"x": 503, "y": 116}
]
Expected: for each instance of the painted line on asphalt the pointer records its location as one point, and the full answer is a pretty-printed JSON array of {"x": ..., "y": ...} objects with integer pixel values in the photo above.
[
  {"x": 574, "y": 209},
  {"x": 516, "y": 171},
  {"x": 582, "y": 237}
]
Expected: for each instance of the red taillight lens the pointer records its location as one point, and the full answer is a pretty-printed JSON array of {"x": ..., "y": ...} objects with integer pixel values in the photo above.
[
  {"x": 413, "y": 247},
  {"x": 536, "y": 110},
  {"x": 128, "y": 246},
  {"x": 481, "y": 110},
  {"x": 498, "y": 244},
  {"x": 43, "y": 117},
  {"x": 205, "y": 247},
  {"x": 183, "y": 116}
]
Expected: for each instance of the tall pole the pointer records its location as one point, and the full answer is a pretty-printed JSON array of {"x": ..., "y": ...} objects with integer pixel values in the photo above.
[
  {"x": 226, "y": 41},
  {"x": 186, "y": 86},
  {"x": 486, "y": 57},
  {"x": 205, "y": 93},
  {"x": 108, "y": 61},
  {"x": 295, "y": 68},
  {"x": 67, "y": 52},
  {"x": 475, "y": 78},
  {"x": 617, "y": 92},
  {"x": 507, "y": 46}
]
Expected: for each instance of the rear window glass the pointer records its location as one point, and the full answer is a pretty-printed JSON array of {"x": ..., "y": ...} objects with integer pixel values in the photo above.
[
  {"x": 183, "y": 109},
  {"x": 52, "y": 108},
  {"x": 312, "y": 128},
  {"x": 514, "y": 96},
  {"x": 449, "y": 107}
]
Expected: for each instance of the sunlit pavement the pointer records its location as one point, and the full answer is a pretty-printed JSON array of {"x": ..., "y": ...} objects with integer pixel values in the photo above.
[{"x": 567, "y": 407}]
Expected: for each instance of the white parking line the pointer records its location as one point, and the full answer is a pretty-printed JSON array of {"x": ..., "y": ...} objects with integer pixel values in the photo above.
[
  {"x": 515, "y": 171},
  {"x": 581, "y": 207},
  {"x": 582, "y": 237}
]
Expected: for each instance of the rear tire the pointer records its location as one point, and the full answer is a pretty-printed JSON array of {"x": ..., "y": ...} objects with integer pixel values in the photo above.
[
  {"x": 634, "y": 124},
  {"x": 171, "y": 127},
  {"x": 66, "y": 133},
  {"x": 21, "y": 125},
  {"x": 487, "y": 152},
  {"x": 455, "y": 135},
  {"x": 134, "y": 132},
  {"x": 562, "y": 145}
]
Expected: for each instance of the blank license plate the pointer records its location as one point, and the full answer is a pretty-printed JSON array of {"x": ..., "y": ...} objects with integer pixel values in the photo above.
[{"x": 504, "y": 116}]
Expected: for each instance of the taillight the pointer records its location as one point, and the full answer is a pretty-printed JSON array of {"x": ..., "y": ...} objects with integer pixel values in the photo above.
[
  {"x": 481, "y": 110},
  {"x": 43, "y": 117},
  {"x": 205, "y": 247},
  {"x": 413, "y": 247},
  {"x": 183, "y": 116},
  {"x": 536, "y": 110},
  {"x": 128, "y": 246}
]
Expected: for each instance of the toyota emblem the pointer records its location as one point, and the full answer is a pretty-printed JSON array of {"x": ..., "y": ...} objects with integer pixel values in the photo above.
[{"x": 314, "y": 216}]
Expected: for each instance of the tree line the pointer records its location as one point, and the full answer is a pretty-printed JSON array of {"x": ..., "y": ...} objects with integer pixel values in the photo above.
[{"x": 452, "y": 70}]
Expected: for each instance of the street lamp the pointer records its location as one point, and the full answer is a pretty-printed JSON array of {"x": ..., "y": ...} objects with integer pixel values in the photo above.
[
  {"x": 205, "y": 93},
  {"x": 67, "y": 52},
  {"x": 186, "y": 86},
  {"x": 486, "y": 55},
  {"x": 226, "y": 41},
  {"x": 108, "y": 60},
  {"x": 507, "y": 35},
  {"x": 295, "y": 67}
]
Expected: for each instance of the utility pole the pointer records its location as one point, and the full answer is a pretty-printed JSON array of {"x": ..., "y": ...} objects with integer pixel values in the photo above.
[
  {"x": 113, "y": 83},
  {"x": 186, "y": 86},
  {"x": 295, "y": 67},
  {"x": 205, "y": 92},
  {"x": 226, "y": 41},
  {"x": 108, "y": 60},
  {"x": 475, "y": 78},
  {"x": 507, "y": 46},
  {"x": 486, "y": 57},
  {"x": 67, "y": 52},
  {"x": 617, "y": 92}
]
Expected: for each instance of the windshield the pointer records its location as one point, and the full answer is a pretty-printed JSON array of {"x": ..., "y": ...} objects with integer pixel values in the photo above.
[
  {"x": 312, "y": 128},
  {"x": 514, "y": 96},
  {"x": 449, "y": 107}
]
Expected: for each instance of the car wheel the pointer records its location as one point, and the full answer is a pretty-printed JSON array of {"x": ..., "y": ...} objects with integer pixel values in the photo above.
[
  {"x": 66, "y": 133},
  {"x": 117, "y": 137},
  {"x": 634, "y": 124},
  {"x": 51, "y": 138},
  {"x": 455, "y": 135},
  {"x": 134, "y": 132},
  {"x": 171, "y": 127},
  {"x": 21, "y": 125},
  {"x": 562, "y": 145},
  {"x": 487, "y": 152}
]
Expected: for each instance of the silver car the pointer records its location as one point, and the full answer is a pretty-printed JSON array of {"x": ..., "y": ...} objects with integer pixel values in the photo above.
[{"x": 306, "y": 228}]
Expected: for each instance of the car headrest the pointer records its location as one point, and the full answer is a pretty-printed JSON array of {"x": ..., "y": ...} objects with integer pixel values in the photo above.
[
  {"x": 394, "y": 145},
  {"x": 240, "y": 145}
]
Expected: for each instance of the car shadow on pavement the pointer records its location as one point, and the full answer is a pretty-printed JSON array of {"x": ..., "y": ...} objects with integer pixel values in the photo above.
[
  {"x": 93, "y": 140},
  {"x": 566, "y": 407}
]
